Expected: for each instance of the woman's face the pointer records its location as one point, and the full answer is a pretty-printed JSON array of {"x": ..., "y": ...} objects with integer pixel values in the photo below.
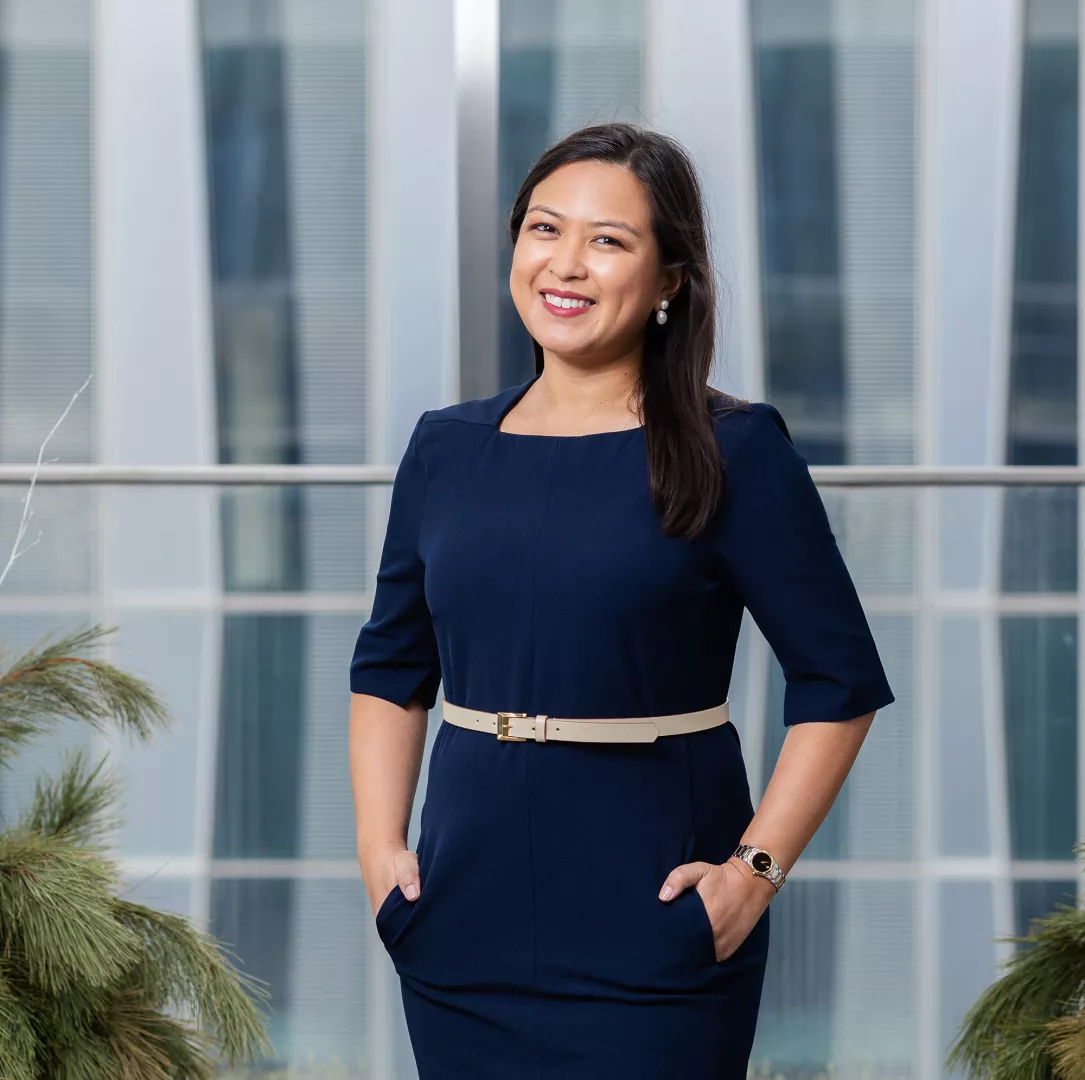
[{"x": 588, "y": 232}]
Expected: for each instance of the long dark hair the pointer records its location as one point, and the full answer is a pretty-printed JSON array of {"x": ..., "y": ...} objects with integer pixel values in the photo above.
[{"x": 676, "y": 404}]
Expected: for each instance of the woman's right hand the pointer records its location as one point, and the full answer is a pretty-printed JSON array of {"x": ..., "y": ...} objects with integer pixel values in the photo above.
[{"x": 389, "y": 867}]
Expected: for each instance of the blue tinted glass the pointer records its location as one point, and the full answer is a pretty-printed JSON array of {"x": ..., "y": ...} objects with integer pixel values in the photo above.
[
  {"x": 260, "y": 737},
  {"x": 1040, "y": 542},
  {"x": 1039, "y": 668},
  {"x": 255, "y": 347},
  {"x": 796, "y": 107}
]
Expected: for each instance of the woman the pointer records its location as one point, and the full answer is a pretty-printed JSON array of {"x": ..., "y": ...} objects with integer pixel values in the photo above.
[{"x": 590, "y": 894}]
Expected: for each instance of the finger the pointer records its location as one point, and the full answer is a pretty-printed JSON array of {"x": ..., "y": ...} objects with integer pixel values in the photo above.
[
  {"x": 681, "y": 878},
  {"x": 407, "y": 876}
]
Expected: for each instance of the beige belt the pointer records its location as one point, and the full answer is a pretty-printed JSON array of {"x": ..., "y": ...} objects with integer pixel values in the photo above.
[{"x": 519, "y": 727}]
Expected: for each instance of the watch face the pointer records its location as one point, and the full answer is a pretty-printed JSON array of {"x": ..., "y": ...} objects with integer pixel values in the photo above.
[{"x": 761, "y": 861}]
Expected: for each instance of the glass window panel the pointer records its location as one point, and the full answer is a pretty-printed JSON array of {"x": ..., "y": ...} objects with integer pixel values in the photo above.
[
  {"x": 47, "y": 251},
  {"x": 313, "y": 942},
  {"x": 796, "y": 117},
  {"x": 966, "y": 957},
  {"x": 260, "y": 737},
  {"x": 961, "y": 786},
  {"x": 255, "y": 354},
  {"x": 254, "y": 919},
  {"x": 1040, "y": 544},
  {"x": 1039, "y": 670},
  {"x": 171, "y": 651},
  {"x": 840, "y": 989},
  {"x": 795, "y": 1024},
  {"x": 163, "y": 894}
]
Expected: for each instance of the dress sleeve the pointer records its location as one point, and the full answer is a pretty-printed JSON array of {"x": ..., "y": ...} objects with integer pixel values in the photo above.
[
  {"x": 396, "y": 655},
  {"x": 777, "y": 546}
]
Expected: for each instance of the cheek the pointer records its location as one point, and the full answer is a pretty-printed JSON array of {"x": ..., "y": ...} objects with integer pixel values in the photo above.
[
  {"x": 526, "y": 258},
  {"x": 522, "y": 276},
  {"x": 625, "y": 286},
  {"x": 522, "y": 273}
]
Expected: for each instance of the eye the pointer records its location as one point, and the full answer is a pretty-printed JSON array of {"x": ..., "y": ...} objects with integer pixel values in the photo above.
[
  {"x": 540, "y": 225},
  {"x": 613, "y": 240}
]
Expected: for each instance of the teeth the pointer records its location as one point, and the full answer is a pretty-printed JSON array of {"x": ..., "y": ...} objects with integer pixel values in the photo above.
[{"x": 565, "y": 302}]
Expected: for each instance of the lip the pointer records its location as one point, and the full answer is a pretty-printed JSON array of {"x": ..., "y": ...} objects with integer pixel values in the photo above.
[{"x": 564, "y": 313}]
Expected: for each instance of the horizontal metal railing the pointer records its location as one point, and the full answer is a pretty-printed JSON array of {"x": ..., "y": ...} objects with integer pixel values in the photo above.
[{"x": 322, "y": 475}]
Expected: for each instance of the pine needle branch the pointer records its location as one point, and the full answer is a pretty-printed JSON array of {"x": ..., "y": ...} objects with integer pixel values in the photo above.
[
  {"x": 1028, "y": 1025},
  {"x": 18, "y": 1039},
  {"x": 1068, "y": 1046},
  {"x": 55, "y": 680},
  {"x": 58, "y": 909},
  {"x": 77, "y": 804},
  {"x": 187, "y": 969}
]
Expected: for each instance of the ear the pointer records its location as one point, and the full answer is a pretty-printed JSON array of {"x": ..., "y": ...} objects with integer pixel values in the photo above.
[{"x": 673, "y": 278}]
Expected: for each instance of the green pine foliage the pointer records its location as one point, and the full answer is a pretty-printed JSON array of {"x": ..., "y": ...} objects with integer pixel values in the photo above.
[
  {"x": 1030, "y": 1024},
  {"x": 93, "y": 986}
]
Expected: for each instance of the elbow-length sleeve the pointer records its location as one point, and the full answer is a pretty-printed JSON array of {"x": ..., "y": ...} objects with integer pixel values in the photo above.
[
  {"x": 777, "y": 546},
  {"x": 396, "y": 655}
]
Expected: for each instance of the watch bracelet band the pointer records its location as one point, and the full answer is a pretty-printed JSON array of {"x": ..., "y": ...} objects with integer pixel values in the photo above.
[{"x": 773, "y": 874}]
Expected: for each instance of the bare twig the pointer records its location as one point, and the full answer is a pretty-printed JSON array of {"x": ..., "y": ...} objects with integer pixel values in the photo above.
[{"x": 27, "y": 512}]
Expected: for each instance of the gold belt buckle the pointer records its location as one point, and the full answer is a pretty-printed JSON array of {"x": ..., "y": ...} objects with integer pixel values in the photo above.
[{"x": 503, "y": 727}]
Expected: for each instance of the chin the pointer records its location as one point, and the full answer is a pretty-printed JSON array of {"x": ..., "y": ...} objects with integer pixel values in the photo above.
[{"x": 566, "y": 349}]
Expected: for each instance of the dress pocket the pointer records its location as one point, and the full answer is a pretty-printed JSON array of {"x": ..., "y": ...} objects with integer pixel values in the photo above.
[
  {"x": 392, "y": 916},
  {"x": 707, "y": 933}
]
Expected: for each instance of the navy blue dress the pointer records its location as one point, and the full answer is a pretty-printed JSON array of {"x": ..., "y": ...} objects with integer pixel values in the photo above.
[{"x": 529, "y": 574}]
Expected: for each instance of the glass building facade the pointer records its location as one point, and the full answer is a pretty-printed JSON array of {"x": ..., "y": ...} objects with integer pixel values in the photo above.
[{"x": 255, "y": 223}]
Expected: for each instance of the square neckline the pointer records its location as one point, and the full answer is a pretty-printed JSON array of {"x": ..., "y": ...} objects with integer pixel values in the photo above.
[{"x": 518, "y": 396}]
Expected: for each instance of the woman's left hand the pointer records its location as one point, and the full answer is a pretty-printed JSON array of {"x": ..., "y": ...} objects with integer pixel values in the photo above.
[{"x": 733, "y": 895}]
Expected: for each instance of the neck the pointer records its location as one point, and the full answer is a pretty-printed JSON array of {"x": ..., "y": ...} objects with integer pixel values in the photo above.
[{"x": 570, "y": 389}]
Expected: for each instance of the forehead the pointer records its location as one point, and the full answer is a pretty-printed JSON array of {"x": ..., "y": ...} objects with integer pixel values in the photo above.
[{"x": 592, "y": 191}]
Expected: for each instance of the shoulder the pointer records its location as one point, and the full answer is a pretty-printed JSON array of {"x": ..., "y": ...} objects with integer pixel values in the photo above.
[
  {"x": 439, "y": 431},
  {"x": 743, "y": 426},
  {"x": 483, "y": 412}
]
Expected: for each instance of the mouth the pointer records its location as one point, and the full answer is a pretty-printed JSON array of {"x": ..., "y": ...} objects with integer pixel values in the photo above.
[{"x": 566, "y": 305}]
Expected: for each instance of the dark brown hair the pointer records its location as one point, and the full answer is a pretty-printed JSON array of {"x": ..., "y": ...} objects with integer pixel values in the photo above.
[{"x": 676, "y": 404}]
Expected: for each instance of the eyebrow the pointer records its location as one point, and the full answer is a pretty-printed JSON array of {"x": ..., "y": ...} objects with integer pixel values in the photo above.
[{"x": 593, "y": 224}]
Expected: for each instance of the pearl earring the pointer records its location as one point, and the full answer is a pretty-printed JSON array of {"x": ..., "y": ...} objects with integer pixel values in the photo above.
[{"x": 661, "y": 314}]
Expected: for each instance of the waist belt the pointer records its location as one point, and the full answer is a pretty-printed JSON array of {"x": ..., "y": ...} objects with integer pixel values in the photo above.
[{"x": 519, "y": 727}]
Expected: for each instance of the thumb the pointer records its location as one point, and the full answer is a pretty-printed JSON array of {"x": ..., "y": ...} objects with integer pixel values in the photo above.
[
  {"x": 407, "y": 875},
  {"x": 682, "y": 877}
]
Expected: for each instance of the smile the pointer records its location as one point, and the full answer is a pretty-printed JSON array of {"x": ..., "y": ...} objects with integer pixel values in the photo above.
[{"x": 565, "y": 307}]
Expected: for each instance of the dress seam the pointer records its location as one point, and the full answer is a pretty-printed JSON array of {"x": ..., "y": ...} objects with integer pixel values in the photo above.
[
  {"x": 534, "y": 575},
  {"x": 533, "y": 705},
  {"x": 425, "y": 479}
]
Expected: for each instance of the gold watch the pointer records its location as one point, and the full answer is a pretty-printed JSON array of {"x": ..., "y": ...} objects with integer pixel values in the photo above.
[{"x": 761, "y": 863}]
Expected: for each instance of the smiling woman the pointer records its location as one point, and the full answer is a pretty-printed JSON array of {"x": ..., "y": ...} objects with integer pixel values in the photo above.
[
  {"x": 614, "y": 215},
  {"x": 559, "y": 249},
  {"x": 590, "y": 893}
]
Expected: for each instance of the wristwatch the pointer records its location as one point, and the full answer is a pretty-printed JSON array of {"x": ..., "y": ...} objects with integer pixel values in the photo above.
[{"x": 761, "y": 863}]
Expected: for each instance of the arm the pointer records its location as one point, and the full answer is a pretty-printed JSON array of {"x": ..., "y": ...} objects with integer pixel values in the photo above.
[
  {"x": 813, "y": 764},
  {"x": 778, "y": 553},
  {"x": 810, "y": 771},
  {"x": 386, "y": 746},
  {"x": 394, "y": 675}
]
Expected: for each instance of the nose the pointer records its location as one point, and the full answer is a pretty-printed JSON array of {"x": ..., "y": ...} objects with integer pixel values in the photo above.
[{"x": 566, "y": 258}]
